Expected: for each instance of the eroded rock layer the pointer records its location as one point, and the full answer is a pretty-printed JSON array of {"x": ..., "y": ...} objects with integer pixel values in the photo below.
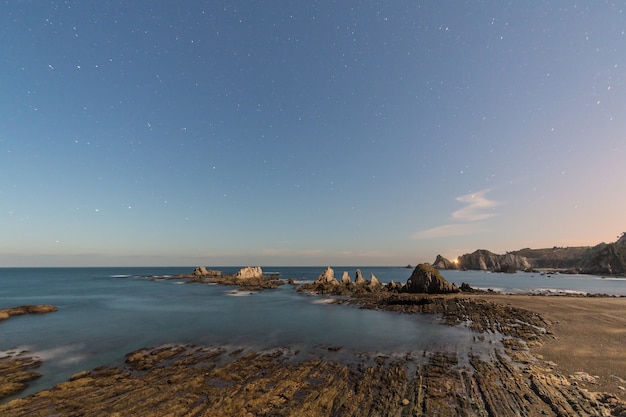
[{"x": 196, "y": 381}]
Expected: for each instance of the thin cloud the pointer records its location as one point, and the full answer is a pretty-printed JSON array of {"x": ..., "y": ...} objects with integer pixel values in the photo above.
[
  {"x": 478, "y": 207},
  {"x": 463, "y": 221}
]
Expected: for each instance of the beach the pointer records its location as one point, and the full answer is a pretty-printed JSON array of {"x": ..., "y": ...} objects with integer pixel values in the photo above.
[
  {"x": 561, "y": 357},
  {"x": 588, "y": 335}
]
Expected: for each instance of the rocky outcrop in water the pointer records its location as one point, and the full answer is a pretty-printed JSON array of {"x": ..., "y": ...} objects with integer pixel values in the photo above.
[
  {"x": 443, "y": 263},
  {"x": 201, "y": 271},
  {"x": 26, "y": 309},
  {"x": 249, "y": 273},
  {"x": 326, "y": 283},
  {"x": 248, "y": 278},
  {"x": 427, "y": 280}
]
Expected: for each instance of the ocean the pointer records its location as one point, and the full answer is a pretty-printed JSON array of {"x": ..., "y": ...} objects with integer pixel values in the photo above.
[{"x": 105, "y": 313}]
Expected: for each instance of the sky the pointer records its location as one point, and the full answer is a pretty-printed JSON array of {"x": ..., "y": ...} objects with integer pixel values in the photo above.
[{"x": 307, "y": 132}]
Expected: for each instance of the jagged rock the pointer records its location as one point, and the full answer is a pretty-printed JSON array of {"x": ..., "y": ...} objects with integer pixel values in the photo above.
[
  {"x": 375, "y": 283},
  {"x": 394, "y": 286},
  {"x": 200, "y": 271},
  {"x": 345, "y": 278},
  {"x": 426, "y": 279},
  {"x": 488, "y": 261},
  {"x": 327, "y": 277},
  {"x": 249, "y": 272},
  {"x": 359, "y": 277},
  {"x": 443, "y": 263}
]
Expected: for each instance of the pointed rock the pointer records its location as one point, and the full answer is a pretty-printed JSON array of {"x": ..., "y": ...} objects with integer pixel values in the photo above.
[
  {"x": 359, "y": 277},
  {"x": 345, "y": 279},
  {"x": 327, "y": 277},
  {"x": 374, "y": 282}
]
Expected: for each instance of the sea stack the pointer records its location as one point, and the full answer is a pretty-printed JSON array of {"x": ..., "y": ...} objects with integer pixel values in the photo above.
[{"x": 425, "y": 279}]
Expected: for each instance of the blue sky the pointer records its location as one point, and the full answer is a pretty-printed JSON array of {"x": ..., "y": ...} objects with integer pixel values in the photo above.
[{"x": 307, "y": 132}]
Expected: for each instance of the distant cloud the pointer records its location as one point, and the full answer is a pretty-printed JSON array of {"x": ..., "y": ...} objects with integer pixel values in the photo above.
[
  {"x": 478, "y": 207},
  {"x": 463, "y": 221}
]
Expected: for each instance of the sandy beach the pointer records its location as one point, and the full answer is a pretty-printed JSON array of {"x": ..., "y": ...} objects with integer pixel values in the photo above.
[{"x": 589, "y": 335}]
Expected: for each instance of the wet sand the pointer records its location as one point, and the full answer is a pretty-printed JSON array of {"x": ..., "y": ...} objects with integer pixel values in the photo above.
[{"x": 588, "y": 336}]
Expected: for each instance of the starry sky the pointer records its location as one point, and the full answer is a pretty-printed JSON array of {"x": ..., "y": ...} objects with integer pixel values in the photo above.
[{"x": 307, "y": 132}]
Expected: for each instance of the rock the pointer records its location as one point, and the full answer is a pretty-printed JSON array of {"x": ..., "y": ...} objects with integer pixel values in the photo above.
[
  {"x": 201, "y": 271},
  {"x": 345, "y": 278},
  {"x": 443, "y": 263},
  {"x": 26, "y": 309},
  {"x": 426, "y": 279},
  {"x": 375, "y": 283},
  {"x": 249, "y": 273},
  {"x": 327, "y": 277},
  {"x": 359, "y": 277},
  {"x": 488, "y": 261}
]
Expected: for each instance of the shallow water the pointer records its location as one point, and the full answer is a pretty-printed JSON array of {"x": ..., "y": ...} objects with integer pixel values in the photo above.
[{"x": 105, "y": 313}]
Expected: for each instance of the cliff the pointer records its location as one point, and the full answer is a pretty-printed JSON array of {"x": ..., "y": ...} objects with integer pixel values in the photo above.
[
  {"x": 485, "y": 261},
  {"x": 604, "y": 258}
]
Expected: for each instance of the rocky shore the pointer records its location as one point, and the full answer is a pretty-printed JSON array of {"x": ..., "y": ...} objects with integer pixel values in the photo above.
[
  {"x": 512, "y": 377},
  {"x": 16, "y": 368},
  {"x": 185, "y": 380}
]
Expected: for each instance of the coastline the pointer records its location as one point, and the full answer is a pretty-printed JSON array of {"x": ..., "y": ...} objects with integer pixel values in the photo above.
[
  {"x": 532, "y": 377},
  {"x": 588, "y": 335}
]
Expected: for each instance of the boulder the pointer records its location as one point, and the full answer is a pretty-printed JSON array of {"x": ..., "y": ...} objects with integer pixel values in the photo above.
[
  {"x": 249, "y": 272},
  {"x": 427, "y": 279},
  {"x": 345, "y": 279},
  {"x": 359, "y": 277}
]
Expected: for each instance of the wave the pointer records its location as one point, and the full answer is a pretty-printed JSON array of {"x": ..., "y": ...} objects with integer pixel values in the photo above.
[
  {"x": 240, "y": 293},
  {"x": 120, "y": 276},
  {"x": 612, "y": 278}
]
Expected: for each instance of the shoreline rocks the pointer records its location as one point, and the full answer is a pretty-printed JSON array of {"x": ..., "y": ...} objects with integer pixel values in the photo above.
[
  {"x": 26, "y": 309},
  {"x": 226, "y": 381},
  {"x": 16, "y": 369}
]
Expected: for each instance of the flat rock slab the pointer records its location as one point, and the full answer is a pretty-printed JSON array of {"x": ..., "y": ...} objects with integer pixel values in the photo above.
[{"x": 217, "y": 381}]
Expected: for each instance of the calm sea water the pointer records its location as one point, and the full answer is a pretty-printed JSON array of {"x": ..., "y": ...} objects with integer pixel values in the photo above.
[{"x": 105, "y": 313}]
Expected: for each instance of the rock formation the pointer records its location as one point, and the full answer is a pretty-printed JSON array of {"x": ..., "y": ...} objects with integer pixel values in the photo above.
[
  {"x": 374, "y": 282},
  {"x": 327, "y": 277},
  {"x": 359, "y": 278},
  {"x": 426, "y": 279},
  {"x": 604, "y": 258},
  {"x": 201, "y": 271},
  {"x": 249, "y": 273},
  {"x": 345, "y": 278},
  {"x": 489, "y": 261},
  {"x": 443, "y": 263},
  {"x": 26, "y": 309}
]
